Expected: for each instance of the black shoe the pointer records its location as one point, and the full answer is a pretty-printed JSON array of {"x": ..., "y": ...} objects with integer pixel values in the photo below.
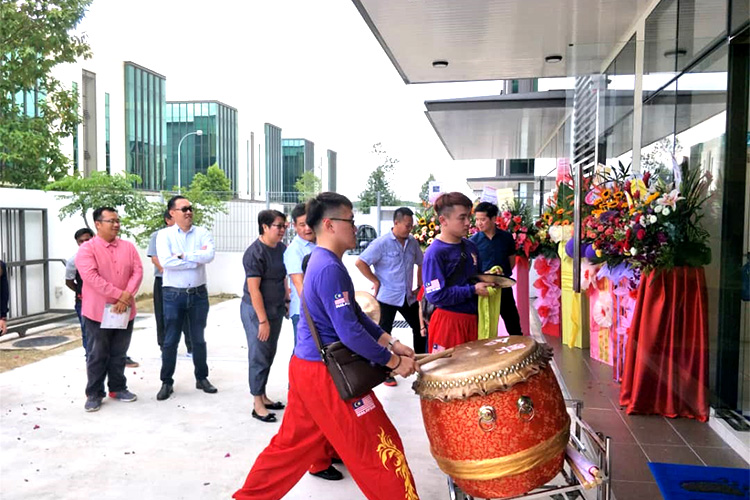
[
  {"x": 277, "y": 405},
  {"x": 206, "y": 386},
  {"x": 330, "y": 474},
  {"x": 271, "y": 417},
  {"x": 336, "y": 461},
  {"x": 165, "y": 391}
]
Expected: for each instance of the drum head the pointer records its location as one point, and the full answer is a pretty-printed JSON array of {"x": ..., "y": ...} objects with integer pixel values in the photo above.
[
  {"x": 369, "y": 305},
  {"x": 482, "y": 367}
]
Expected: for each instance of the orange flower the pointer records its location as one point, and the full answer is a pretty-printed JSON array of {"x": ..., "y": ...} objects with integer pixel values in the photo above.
[
  {"x": 566, "y": 223},
  {"x": 560, "y": 211},
  {"x": 606, "y": 194}
]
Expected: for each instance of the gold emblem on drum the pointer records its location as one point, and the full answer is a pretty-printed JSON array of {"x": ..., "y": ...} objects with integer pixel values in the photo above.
[{"x": 387, "y": 450}]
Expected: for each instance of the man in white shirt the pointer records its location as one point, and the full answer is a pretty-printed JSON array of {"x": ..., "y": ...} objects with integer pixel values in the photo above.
[{"x": 183, "y": 251}]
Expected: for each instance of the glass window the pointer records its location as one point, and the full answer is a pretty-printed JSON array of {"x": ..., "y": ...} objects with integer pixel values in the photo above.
[
  {"x": 699, "y": 23},
  {"x": 660, "y": 46},
  {"x": 740, "y": 15}
]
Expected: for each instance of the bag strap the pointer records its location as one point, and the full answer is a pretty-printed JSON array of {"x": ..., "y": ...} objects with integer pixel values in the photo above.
[
  {"x": 450, "y": 280},
  {"x": 313, "y": 330}
]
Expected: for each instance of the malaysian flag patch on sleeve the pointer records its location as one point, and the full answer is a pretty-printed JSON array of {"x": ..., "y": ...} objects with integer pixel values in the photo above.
[
  {"x": 432, "y": 286},
  {"x": 364, "y": 405},
  {"x": 341, "y": 299}
]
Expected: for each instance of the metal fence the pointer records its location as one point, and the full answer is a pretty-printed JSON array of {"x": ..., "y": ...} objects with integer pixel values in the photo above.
[{"x": 24, "y": 249}]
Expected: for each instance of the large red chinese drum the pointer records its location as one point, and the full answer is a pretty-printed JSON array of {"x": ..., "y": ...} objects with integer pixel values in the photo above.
[{"x": 495, "y": 416}]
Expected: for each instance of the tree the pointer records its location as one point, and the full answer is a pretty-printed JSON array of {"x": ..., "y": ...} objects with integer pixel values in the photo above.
[
  {"x": 424, "y": 194},
  {"x": 379, "y": 182},
  {"x": 308, "y": 185},
  {"x": 34, "y": 38},
  {"x": 102, "y": 190}
]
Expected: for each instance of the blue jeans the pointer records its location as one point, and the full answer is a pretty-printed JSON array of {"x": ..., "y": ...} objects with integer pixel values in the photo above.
[
  {"x": 84, "y": 339},
  {"x": 259, "y": 354},
  {"x": 181, "y": 304}
]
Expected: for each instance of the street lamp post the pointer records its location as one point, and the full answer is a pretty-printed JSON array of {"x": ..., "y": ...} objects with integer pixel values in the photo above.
[{"x": 179, "y": 166}]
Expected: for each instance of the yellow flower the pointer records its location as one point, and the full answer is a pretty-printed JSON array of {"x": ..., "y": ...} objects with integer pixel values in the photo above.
[
  {"x": 652, "y": 198},
  {"x": 432, "y": 226},
  {"x": 598, "y": 253},
  {"x": 618, "y": 195},
  {"x": 606, "y": 194},
  {"x": 422, "y": 222}
]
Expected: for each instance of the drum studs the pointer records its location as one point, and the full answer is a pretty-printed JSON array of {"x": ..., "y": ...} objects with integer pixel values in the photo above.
[{"x": 487, "y": 418}]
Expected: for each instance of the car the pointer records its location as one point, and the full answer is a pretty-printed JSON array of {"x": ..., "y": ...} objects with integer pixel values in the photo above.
[{"x": 365, "y": 235}]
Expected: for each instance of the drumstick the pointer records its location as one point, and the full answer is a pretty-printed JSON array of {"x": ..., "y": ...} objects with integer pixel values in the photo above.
[{"x": 426, "y": 358}]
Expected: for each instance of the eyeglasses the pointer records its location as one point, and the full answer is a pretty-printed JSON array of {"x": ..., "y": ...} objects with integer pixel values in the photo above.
[
  {"x": 110, "y": 221},
  {"x": 279, "y": 226},
  {"x": 187, "y": 209},
  {"x": 350, "y": 221}
]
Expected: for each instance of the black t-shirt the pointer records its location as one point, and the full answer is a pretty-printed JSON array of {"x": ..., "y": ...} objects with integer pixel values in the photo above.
[
  {"x": 262, "y": 261},
  {"x": 496, "y": 251}
]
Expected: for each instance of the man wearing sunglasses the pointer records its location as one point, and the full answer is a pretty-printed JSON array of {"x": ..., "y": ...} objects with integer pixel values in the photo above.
[{"x": 183, "y": 251}]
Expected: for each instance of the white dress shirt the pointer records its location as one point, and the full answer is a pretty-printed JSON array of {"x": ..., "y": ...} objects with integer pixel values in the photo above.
[{"x": 197, "y": 248}]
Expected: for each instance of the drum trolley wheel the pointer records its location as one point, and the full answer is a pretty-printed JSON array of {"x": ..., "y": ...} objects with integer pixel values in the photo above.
[{"x": 593, "y": 445}]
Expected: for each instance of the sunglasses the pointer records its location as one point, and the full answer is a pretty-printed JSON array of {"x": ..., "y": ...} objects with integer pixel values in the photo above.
[
  {"x": 350, "y": 221},
  {"x": 187, "y": 209}
]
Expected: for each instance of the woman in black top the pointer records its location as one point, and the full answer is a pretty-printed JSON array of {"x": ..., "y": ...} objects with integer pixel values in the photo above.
[
  {"x": 4, "y": 297},
  {"x": 264, "y": 305}
]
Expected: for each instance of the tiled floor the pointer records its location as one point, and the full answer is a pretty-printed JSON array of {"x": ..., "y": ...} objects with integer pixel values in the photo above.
[{"x": 637, "y": 439}]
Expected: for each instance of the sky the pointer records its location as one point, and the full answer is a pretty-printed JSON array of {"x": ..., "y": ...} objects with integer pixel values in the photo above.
[{"x": 312, "y": 68}]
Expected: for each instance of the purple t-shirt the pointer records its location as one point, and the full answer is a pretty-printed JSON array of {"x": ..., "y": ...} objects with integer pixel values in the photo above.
[
  {"x": 329, "y": 293},
  {"x": 440, "y": 260}
]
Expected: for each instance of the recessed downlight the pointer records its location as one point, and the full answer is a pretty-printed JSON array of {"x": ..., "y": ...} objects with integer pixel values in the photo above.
[
  {"x": 553, "y": 59},
  {"x": 440, "y": 64}
]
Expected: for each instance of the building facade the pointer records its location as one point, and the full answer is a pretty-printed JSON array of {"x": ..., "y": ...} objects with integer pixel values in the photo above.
[
  {"x": 274, "y": 163},
  {"x": 217, "y": 143},
  {"x": 298, "y": 158},
  {"x": 145, "y": 126},
  {"x": 332, "y": 170}
]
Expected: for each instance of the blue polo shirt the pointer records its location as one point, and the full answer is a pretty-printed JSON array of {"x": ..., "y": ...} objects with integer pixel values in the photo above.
[
  {"x": 394, "y": 267},
  {"x": 329, "y": 295},
  {"x": 293, "y": 257},
  {"x": 496, "y": 251}
]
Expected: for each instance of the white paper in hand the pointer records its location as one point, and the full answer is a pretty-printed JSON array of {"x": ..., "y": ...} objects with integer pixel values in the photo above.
[{"x": 112, "y": 320}]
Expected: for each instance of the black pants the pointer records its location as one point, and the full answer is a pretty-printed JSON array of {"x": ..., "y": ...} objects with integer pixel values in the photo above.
[
  {"x": 509, "y": 312},
  {"x": 159, "y": 314},
  {"x": 411, "y": 315},
  {"x": 106, "y": 358}
]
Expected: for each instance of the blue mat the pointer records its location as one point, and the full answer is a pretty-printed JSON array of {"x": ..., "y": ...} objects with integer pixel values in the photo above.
[{"x": 693, "y": 482}]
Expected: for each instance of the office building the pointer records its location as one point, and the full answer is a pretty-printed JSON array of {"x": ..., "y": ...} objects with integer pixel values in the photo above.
[
  {"x": 332, "y": 170},
  {"x": 274, "y": 162},
  {"x": 217, "y": 143},
  {"x": 145, "y": 126},
  {"x": 298, "y": 158}
]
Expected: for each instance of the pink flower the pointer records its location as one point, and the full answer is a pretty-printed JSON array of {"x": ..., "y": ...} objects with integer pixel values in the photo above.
[{"x": 670, "y": 199}]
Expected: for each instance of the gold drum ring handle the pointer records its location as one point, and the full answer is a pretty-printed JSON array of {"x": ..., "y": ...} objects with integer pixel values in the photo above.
[
  {"x": 525, "y": 408},
  {"x": 487, "y": 418}
]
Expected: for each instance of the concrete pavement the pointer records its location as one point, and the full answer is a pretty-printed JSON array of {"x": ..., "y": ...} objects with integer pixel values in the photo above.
[{"x": 192, "y": 446}]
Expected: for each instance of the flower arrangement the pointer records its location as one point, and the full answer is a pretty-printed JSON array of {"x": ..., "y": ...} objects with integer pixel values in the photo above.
[
  {"x": 427, "y": 227},
  {"x": 651, "y": 221},
  {"x": 516, "y": 219}
]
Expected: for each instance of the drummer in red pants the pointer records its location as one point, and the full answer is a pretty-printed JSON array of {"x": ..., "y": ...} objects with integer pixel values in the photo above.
[
  {"x": 359, "y": 430},
  {"x": 449, "y": 262}
]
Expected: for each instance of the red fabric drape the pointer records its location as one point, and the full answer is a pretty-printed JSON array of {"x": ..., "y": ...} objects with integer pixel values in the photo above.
[
  {"x": 666, "y": 361},
  {"x": 522, "y": 292}
]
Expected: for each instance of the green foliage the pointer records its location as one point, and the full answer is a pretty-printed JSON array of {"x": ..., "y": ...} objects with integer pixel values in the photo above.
[
  {"x": 209, "y": 194},
  {"x": 379, "y": 182},
  {"x": 102, "y": 190},
  {"x": 308, "y": 185},
  {"x": 424, "y": 193},
  {"x": 34, "y": 38}
]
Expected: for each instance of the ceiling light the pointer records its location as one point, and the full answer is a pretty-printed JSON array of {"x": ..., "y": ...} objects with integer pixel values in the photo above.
[
  {"x": 675, "y": 52},
  {"x": 553, "y": 59},
  {"x": 440, "y": 64}
]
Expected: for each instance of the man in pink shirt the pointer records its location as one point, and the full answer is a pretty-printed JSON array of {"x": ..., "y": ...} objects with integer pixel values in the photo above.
[{"x": 112, "y": 272}]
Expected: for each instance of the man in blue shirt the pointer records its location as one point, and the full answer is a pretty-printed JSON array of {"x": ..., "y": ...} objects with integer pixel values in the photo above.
[
  {"x": 302, "y": 244},
  {"x": 394, "y": 256},
  {"x": 497, "y": 248}
]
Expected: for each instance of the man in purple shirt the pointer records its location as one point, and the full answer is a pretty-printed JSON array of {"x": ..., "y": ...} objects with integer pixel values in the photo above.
[
  {"x": 111, "y": 270},
  {"x": 449, "y": 263},
  {"x": 315, "y": 413}
]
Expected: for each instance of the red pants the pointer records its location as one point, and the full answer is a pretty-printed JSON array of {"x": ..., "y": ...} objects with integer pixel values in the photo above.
[
  {"x": 359, "y": 430},
  {"x": 448, "y": 329}
]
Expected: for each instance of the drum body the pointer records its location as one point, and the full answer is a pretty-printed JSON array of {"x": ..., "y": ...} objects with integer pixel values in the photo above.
[{"x": 495, "y": 416}]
